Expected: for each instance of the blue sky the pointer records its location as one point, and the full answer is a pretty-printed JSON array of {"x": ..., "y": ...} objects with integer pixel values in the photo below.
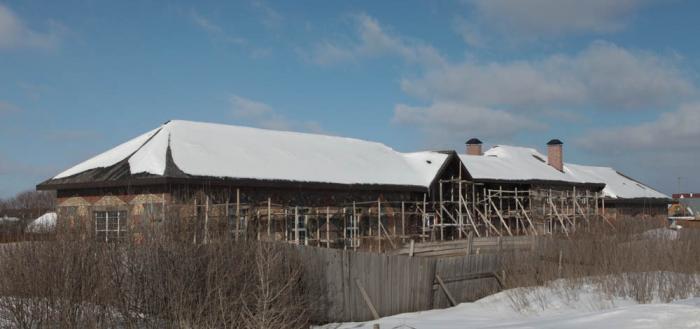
[{"x": 617, "y": 81}]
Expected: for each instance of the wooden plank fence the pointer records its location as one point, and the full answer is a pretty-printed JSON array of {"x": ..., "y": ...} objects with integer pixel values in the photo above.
[
  {"x": 361, "y": 286},
  {"x": 467, "y": 278},
  {"x": 468, "y": 246}
]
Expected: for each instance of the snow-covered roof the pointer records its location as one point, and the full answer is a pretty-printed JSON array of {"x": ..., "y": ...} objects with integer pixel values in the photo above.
[
  {"x": 617, "y": 185},
  {"x": 514, "y": 163},
  {"x": 225, "y": 151}
]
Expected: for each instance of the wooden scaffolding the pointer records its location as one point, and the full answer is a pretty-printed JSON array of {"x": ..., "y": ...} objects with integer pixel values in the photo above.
[{"x": 458, "y": 209}]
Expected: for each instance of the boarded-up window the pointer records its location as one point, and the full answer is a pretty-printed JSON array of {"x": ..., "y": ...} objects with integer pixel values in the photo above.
[{"x": 110, "y": 225}]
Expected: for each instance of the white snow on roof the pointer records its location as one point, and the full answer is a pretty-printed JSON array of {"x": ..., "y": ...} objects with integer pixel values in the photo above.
[
  {"x": 45, "y": 223},
  {"x": 514, "y": 163},
  {"x": 216, "y": 150},
  {"x": 616, "y": 184},
  {"x": 110, "y": 157},
  {"x": 426, "y": 163}
]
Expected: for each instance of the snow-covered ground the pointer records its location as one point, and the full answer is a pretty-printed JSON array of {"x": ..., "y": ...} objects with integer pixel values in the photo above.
[
  {"x": 44, "y": 224},
  {"x": 548, "y": 307}
]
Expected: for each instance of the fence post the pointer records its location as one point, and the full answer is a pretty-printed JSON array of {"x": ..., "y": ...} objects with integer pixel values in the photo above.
[
  {"x": 559, "y": 268},
  {"x": 470, "y": 242}
]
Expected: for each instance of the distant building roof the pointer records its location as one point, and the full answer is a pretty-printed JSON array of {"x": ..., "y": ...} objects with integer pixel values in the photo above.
[
  {"x": 523, "y": 164},
  {"x": 686, "y": 195},
  {"x": 692, "y": 203}
]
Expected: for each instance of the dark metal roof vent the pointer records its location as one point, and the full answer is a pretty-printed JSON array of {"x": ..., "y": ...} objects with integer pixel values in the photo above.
[
  {"x": 555, "y": 142},
  {"x": 473, "y": 141}
]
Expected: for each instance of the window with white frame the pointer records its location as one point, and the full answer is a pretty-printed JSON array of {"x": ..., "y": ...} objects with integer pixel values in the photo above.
[{"x": 110, "y": 225}]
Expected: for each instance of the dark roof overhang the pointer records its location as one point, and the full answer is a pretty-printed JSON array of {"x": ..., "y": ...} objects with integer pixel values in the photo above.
[
  {"x": 595, "y": 186},
  {"x": 233, "y": 182},
  {"x": 638, "y": 201}
]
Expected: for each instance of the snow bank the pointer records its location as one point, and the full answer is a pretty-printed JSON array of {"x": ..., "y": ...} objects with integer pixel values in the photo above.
[
  {"x": 6, "y": 219},
  {"x": 216, "y": 150},
  {"x": 44, "y": 224},
  {"x": 548, "y": 307}
]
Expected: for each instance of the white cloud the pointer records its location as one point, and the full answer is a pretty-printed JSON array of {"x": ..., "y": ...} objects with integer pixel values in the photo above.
[
  {"x": 259, "y": 114},
  {"x": 271, "y": 18},
  {"x": 501, "y": 98},
  {"x": 248, "y": 108},
  {"x": 602, "y": 75},
  {"x": 15, "y": 34},
  {"x": 7, "y": 108},
  {"x": 470, "y": 32},
  {"x": 677, "y": 130},
  {"x": 443, "y": 123},
  {"x": 373, "y": 41},
  {"x": 658, "y": 151},
  {"x": 213, "y": 29},
  {"x": 534, "y": 19}
]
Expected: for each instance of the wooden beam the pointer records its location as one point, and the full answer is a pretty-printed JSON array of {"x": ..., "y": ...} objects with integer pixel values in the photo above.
[
  {"x": 517, "y": 202},
  {"x": 452, "y": 300},
  {"x": 561, "y": 221},
  {"x": 296, "y": 224},
  {"x": 367, "y": 300},
  {"x": 469, "y": 215},
  {"x": 328, "y": 227},
  {"x": 487, "y": 221},
  {"x": 238, "y": 212},
  {"x": 269, "y": 218},
  {"x": 403, "y": 220},
  {"x": 503, "y": 221},
  {"x": 206, "y": 221}
]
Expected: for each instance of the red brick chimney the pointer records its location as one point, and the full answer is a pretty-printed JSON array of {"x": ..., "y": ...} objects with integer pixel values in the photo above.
[
  {"x": 474, "y": 146},
  {"x": 555, "y": 154}
]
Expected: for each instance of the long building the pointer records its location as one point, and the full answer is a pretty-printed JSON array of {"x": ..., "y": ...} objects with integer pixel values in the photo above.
[
  {"x": 207, "y": 180},
  {"x": 555, "y": 189}
]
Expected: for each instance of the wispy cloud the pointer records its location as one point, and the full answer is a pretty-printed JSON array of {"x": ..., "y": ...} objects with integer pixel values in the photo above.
[
  {"x": 247, "y": 108},
  {"x": 676, "y": 130},
  {"x": 500, "y": 98},
  {"x": 259, "y": 114},
  {"x": 560, "y": 87},
  {"x": 603, "y": 75},
  {"x": 12, "y": 167},
  {"x": 14, "y": 32},
  {"x": 72, "y": 135},
  {"x": 271, "y": 18},
  {"x": 213, "y": 29},
  {"x": 8, "y": 108},
  {"x": 658, "y": 150},
  {"x": 374, "y": 41},
  {"x": 444, "y": 123},
  {"x": 528, "y": 20}
]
